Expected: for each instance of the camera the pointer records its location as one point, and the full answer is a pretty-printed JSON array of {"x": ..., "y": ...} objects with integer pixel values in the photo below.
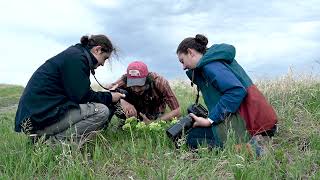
[
  {"x": 119, "y": 90},
  {"x": 185, "y": 124},
  {"x": 116, "y": 107}
]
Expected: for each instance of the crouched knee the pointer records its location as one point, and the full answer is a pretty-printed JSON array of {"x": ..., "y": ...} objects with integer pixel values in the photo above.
[{"x": 103, "y": 111}]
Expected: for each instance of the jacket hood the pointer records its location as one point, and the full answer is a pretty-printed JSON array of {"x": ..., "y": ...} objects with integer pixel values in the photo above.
[{"x": 221, "y": 52}]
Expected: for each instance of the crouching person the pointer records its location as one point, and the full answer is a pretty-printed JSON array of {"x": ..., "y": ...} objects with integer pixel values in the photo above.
[
  {"x": 233, "y": 101},
  {"x": 58, "y": 102},
  {"x": 148, "y": 94}
]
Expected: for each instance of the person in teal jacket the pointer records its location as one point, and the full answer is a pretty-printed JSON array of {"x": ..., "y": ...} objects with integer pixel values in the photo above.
[{"x": 233, "y": 101}]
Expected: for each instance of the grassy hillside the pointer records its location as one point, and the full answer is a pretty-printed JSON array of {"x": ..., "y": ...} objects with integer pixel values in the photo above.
[
  {"x": 9, "y": 96},
  {"x": 116, "y": 154}
]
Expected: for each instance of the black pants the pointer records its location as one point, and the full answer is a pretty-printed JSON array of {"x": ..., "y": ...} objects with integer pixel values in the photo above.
[{"x": 204, "y": 136}]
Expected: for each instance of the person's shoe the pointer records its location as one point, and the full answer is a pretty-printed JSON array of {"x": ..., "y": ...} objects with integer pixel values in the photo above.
[{"x": 259, "y": 144}]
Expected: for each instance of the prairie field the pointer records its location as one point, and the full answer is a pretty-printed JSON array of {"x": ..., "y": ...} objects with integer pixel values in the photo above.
[{"x": 293, "y": 153}]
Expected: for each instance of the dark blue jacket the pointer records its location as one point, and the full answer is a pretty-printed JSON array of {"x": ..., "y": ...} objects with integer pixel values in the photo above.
[
  {"x": 231, "y": 88},
  {"x": 61, "y": 83}
]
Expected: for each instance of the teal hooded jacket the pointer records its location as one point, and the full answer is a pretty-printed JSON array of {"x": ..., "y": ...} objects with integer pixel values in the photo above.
[{"x": 227, "y": 89}]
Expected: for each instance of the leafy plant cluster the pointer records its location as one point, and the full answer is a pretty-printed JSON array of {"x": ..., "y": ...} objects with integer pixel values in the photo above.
[{"x": 133, "y": 124}]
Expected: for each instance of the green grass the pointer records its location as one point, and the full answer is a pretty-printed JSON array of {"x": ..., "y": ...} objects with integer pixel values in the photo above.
[
  {"x": 115, "y": 154},
  {"x": 9, "y": 95}
]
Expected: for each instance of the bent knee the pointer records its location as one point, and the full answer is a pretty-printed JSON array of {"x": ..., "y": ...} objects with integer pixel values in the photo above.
[
  {"x": 95, "y": 112},
  {"x": 102, "y": 110}
]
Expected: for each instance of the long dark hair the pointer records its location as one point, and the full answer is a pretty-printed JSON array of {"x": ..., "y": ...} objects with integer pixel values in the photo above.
[
  {"x": 98, "y": 40},
  {"x": 198, "y": 43}
]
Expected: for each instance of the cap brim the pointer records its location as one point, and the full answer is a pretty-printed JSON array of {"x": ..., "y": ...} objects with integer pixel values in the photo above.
[{"x": 136, "y": 82}]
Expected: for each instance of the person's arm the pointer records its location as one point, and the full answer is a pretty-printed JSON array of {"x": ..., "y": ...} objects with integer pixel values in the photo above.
[
  {"x": 170, "y": 99},
  {"x": 128, "y": 109},
  {"x": 232, "y": 90},
  {"x": 171, "y": 114}
]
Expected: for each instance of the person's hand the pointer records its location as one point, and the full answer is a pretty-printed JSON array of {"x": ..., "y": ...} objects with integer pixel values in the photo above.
[
  {"x": 145, "y": 119},
  {"x": 117, "y": 96},
  {"x": 128, "y": 109},
  {"x": 200, "y": 121}
]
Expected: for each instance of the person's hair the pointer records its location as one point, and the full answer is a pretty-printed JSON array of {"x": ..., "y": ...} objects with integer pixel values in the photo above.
[
  {"x": 98, "y": 40},
  {"x": 198, "y": 43}
]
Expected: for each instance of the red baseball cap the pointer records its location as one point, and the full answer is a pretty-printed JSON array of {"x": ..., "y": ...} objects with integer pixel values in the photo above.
[{"x": 137, "y": 73}]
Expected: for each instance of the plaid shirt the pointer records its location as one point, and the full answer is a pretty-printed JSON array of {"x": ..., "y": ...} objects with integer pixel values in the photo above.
[{"x": 153, "y": 101}]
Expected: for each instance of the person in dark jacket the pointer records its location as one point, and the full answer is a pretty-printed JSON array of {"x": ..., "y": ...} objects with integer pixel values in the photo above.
[
  {"x": 58, "y": 101},
  {"x": 233, "y": 101}
]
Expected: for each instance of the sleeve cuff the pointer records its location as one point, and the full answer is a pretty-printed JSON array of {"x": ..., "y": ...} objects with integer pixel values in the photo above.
[
  {"x": 210, "y": 120},
  {"x": 109, "y": 98}
]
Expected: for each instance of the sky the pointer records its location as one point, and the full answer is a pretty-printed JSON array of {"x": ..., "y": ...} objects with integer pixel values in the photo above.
[{"x": 270, "y": 36}]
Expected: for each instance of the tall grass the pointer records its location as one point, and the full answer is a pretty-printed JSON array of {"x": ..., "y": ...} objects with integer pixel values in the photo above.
[{"x": 294, "y": 152}]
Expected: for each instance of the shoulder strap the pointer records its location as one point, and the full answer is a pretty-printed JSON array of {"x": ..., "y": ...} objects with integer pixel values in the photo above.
[
  {"x": 197, "y": 98},
  {"x": 192, "y": 83}
]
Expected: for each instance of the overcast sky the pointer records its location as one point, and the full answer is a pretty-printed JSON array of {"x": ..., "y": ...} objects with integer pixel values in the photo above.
[{"x": 270, "y": 36}]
